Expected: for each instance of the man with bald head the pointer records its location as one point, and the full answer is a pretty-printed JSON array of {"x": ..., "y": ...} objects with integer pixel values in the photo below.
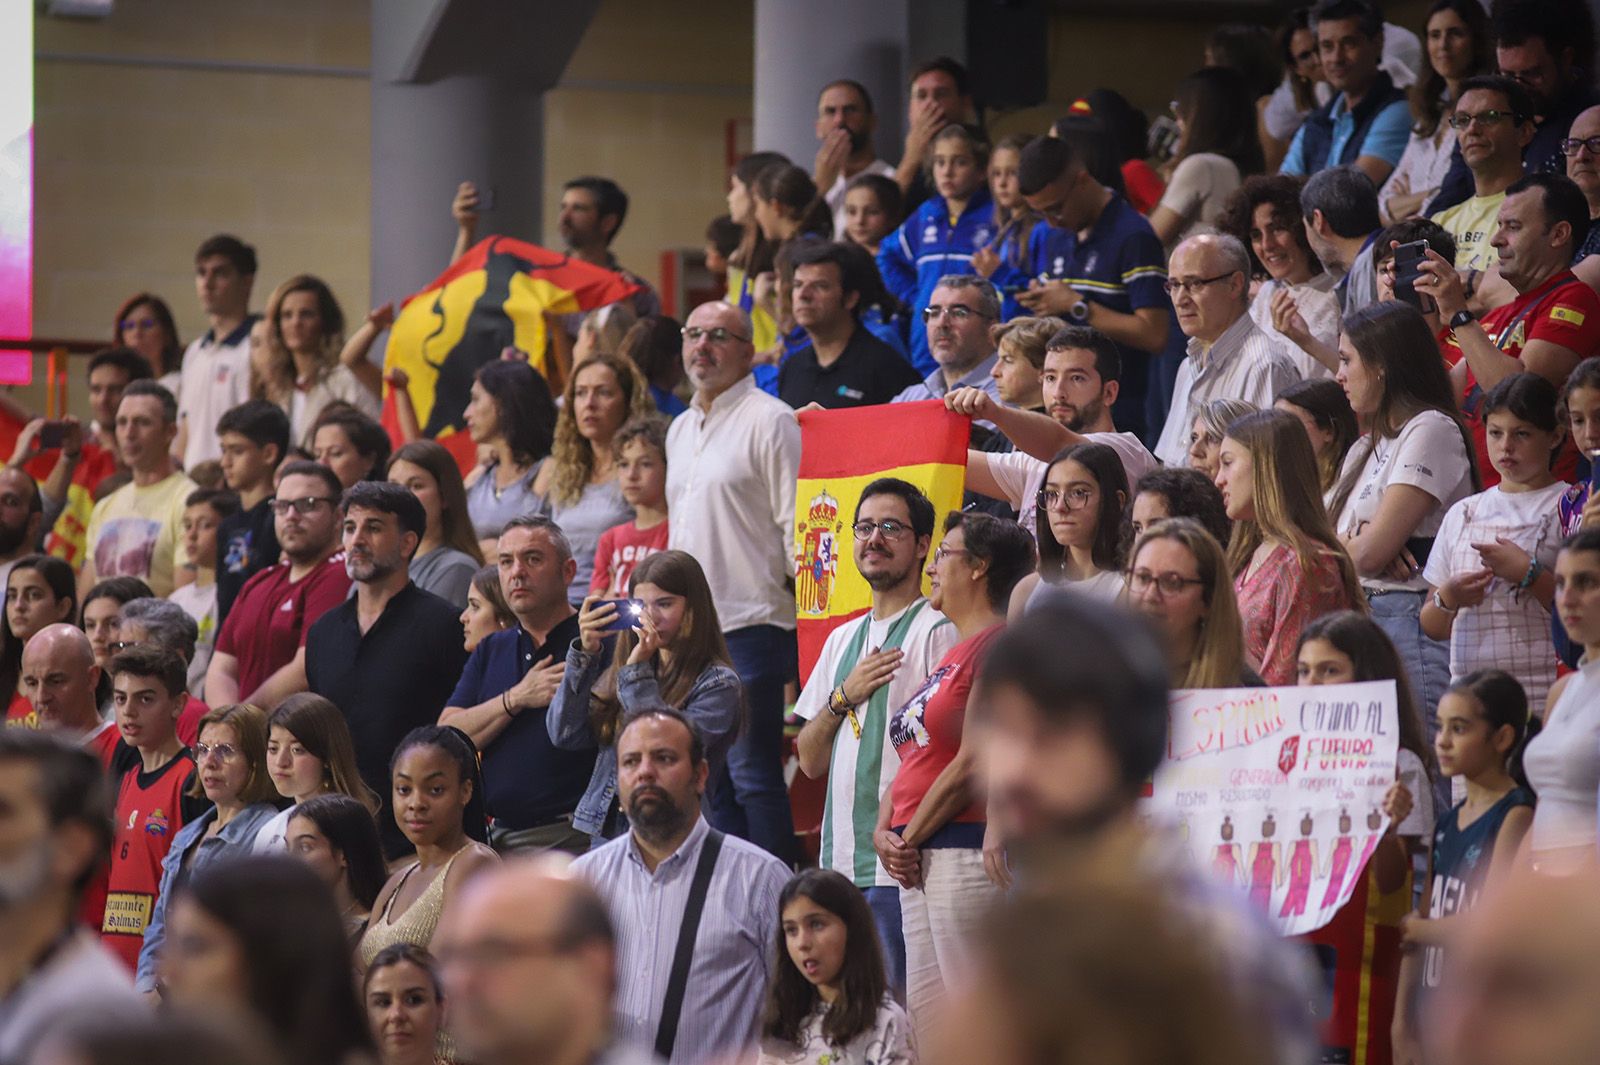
[
  {"x": 732, "y": 460},
  {"x": 1229, "y": 357},
  {"x": 59, "y": 678},
  {"x": 529, "y": 961},
  {"x": 1582, "y": 149},
  {"x": 1522, "y": 978}
]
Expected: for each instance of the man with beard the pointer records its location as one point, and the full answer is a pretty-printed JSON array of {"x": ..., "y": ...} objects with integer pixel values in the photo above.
[
  {"x": 21, "y": 515},
  {"x": 868, "y": 668},
  {"x": 695, "y": 910},
  {"x": 260, "y": 654},
  {"x": 55, "y": 833},
  {"x": 1081, "y": 378},
  {"x": 389, "y": 657},
  {"x": 1069, "y": 734},
  {"x": 845, "y": 124}
]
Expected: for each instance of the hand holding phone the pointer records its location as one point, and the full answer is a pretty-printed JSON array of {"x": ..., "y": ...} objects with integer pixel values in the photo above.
[
  {"x": 1408, "y": 260},
  {"x": 628, "y": 612},
  {"x": 52, "y": 434}
]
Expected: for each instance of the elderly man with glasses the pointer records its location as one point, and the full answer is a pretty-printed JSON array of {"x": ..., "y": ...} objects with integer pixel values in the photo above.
[
  {"x": 1582, "y": 151},
  {"x": 732, "y": 460},
  {"x": 1229, "y": 356},
  {"x": 958, "y": 316}
]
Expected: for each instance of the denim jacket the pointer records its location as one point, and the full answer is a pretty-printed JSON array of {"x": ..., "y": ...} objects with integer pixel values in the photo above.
[
  {"x": 713, "y": 704},
  {"x": 236, "y": 839}
]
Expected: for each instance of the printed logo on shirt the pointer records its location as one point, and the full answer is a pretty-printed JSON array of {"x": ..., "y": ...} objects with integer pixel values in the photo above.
[
  {"x": 237, "y": 557},
  {"x": 930, "y": 234},
  {"x": 127, "y": 913},
  {"x": 1059, "y": 267},
  {"x": 980, "y": 235},
  {"x": 850, "y": 393},
  {"x": 1091, "y": 262},
  {"x": 156, "y": 824},
  {"x": 907, "y": 725},
  {"x": 1570, "y": 315}
]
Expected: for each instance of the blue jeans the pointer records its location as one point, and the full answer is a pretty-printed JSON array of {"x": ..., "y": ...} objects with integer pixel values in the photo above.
[
  {"x": 751, "y": 800},
  {"x": 885, "y": 903},
  {"x": 1426, "y": 661}
]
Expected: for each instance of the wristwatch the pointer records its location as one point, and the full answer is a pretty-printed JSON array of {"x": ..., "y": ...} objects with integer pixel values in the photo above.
[
  {"x": 1079, "y": 311},
  {"x": 1438, "y": 601},
  {"x": 1461, "y": 318}
]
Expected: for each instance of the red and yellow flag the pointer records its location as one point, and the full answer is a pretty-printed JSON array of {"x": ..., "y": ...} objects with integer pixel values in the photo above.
[
  {"x": 494, "y": 297},
  {"x": 841, "y": 452}
]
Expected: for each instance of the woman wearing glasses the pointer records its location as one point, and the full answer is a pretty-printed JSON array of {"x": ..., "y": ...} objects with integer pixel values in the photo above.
[
  {"x": 145, "y": 324},
  {"x": 1179, "y": 580},
  {"x": 1080, "y": 528},
  {"x": 1287, "y": 564},
  {"x": 231, "y": 771},
  {"x": 932, "y": 832}
]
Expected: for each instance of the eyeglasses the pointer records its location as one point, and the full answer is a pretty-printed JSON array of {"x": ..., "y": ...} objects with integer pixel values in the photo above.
[
  {"x": 956, "y": 312},
  {"x": 138, "y": 323},
  {"x": 302, "y": 507},
  {"x": 1194, "y": 285},
  {"x": 223, "y": 751},
  {"x": 1573, "y": 145},
  {"x": 1461, "y": 119},
  {"x": 1073, "y": 498},
  {"x": 942, "y": 552},
  {"x": 892, "y": 530},
  {"x": 719, "y": 335},
  {"x": 1169, "y": 583}
]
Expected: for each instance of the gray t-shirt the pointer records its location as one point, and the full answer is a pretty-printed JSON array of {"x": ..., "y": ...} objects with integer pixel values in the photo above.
[
  {"x": 599, "y": 508},
  {"x": 445, "y": 572}
]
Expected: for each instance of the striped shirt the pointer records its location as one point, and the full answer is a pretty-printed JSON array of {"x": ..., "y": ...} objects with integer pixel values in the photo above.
[
  {"x": 861, "y": 768},
  {"x": 727, "y": 983},
  {"x": 1243, "y": 363}
]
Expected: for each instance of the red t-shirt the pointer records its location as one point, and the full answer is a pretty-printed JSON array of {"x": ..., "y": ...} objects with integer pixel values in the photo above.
[
  {"x": 621, "y": 548},
  {"x": 149, "y": 814},
  {"x": 189, "y": 720},
  {"x": 270, "y": 619},
  {"x": 926, "y": 731},
  {"x": 1143, "y": 185},
  {"x": 20, "y": 713},
  {"x": 1562, "y": 311}
]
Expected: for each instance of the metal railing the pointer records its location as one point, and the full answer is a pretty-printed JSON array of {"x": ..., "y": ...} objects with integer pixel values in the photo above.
[{"x": 58, "y": 352}]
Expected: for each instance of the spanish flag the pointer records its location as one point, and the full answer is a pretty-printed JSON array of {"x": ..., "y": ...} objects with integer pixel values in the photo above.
[
  {"x": 494, "y": 297},
  {"x": 841, "y": 452}
]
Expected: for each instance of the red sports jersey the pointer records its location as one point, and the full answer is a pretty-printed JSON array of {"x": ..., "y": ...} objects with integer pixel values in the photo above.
[
  {"x": 149, "y": 814},
  {"x": 623, "y": 547}
]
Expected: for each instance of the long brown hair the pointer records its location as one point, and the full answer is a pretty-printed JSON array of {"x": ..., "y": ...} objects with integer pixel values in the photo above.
[
  {"x": 457, "y": 523},
  {"x": 573, "y": 454},
  {"x": 1219, "y": 650},
  {"x": 278, "y": 380},
  {"x": 754, "y": 253},
  {"x": 1328, "y": 406},
  {"x": 171, "y": 348},
  {"x": 699, "y": 644},
  {"x": 1288, "y": 499},
  {"x": 321, "y": 729}
]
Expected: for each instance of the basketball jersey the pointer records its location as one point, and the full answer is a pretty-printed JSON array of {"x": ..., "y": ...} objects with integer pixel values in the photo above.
[
  {"x": 1461, "y": 858},
  {"x": 149, "y": 814}
]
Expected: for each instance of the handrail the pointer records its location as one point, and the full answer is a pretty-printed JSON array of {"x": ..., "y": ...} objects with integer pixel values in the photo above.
[
  {"x": 57, "y": 350},
  {"x": 37, "y": 344}
]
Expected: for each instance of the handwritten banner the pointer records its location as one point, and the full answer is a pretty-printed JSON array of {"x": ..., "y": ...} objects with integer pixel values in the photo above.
[{"x": 1279, "y": 791}]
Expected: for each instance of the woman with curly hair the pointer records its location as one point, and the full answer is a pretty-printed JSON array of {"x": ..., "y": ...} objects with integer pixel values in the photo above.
[
  {"x": 299, "y": 369},
  {"x": 577, "y": 485}
]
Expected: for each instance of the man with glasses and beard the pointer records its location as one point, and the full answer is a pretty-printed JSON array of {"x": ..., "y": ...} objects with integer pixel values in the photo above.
[
  {"x": 695, "y": 910},
  {"x": 868, "y": 668},
  {"x": 389, "y": 656},
  {"x": 55, "y": 833},
  {"x": 1070, "y": 732}
]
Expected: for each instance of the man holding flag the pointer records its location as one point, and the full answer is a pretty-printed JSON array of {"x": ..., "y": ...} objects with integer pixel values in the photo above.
[
  {"x": 732, "y": 461},
  {"x": 868, "y": 667}
]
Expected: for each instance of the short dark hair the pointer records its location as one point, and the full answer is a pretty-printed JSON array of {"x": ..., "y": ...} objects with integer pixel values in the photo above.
[
  {"x": 1516, "y": 96},
  {"x": 697, "y": 743},
  {"x": 1107, "y": 356},
  {"x": 918, "y": 505},
  {"x": 307, "y": 468},
  {"x": 169, "y": 402},
  {"x": 1281, "y": 192},
  {"x": 856, "y": 87},
  {"x": 610, "y": 200},
  {"x": 1409, "y": 231},
  {"x": 1347, "y": 199},
  {"x": 723, "y": 233},
  {"x": 945, "y": 65},
  {"x": 1111, "y": 673},
  {"x": 369, "y": 438},
  {"x": 649, "y": 429},
  {"x": 545, "y": 524},
  {"x": 815, "y": 253},
  {"x": 1562, "y": 201},
  {"x": 1004, "y": 545},
  {"x": 130, "y": 362},
  {"x": 72, "y": 784},
  {"x": 236, "y": 251},
  {"x": 149, "y": 660},
  {"x": 1367, "y": 16},
  {"x": 1560, "y": 24},
  {"x": 389, "y": 498},
  {"x": 222, "y": 500},
  {"x": 1188, "y": 494},
  {"x": 259, "y": 421},
  {"x": 1043, "y": 160}
]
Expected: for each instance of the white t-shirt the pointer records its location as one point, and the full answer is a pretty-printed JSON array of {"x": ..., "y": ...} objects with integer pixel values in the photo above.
[
  {"x": 1429, "y": 453},
  {"x": 338, "y": 383},
  {"x": 1318, "y": 305},
  {"x": 1418, "y": 824},
  {"x": 847, "y": 830},
  {"x": 1199, "y": 187},
  {"x": 216, "y": 378},
  {"x": 1020, "y": 475},
  {"x": 835, "y": 193}
]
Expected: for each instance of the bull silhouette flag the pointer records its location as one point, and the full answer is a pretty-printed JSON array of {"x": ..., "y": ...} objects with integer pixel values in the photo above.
[{"x": 495, "y": 296}]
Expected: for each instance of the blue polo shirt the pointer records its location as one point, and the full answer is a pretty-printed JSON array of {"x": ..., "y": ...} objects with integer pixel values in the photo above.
[
  {"x": 527, "y": 780},
  {"x": 1121, "y": 265}
]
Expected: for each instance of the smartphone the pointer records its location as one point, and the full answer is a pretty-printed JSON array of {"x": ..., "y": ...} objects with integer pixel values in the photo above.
[
  {"x": 52, "y": 435},
  {"x": 628, "y": 611},
  {"x": 1408, "y": 259},
  {"x": 486, "y": 197}
]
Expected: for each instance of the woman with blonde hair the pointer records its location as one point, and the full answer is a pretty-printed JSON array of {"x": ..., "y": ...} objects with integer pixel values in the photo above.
[
  {"x": 231, "y": 771},
  {"x": 576, "y": 487},
  {"x": 299, "y": 369},
  {"x": 1288, "y": 566},
  {"x": 1180, "y": 581}
]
